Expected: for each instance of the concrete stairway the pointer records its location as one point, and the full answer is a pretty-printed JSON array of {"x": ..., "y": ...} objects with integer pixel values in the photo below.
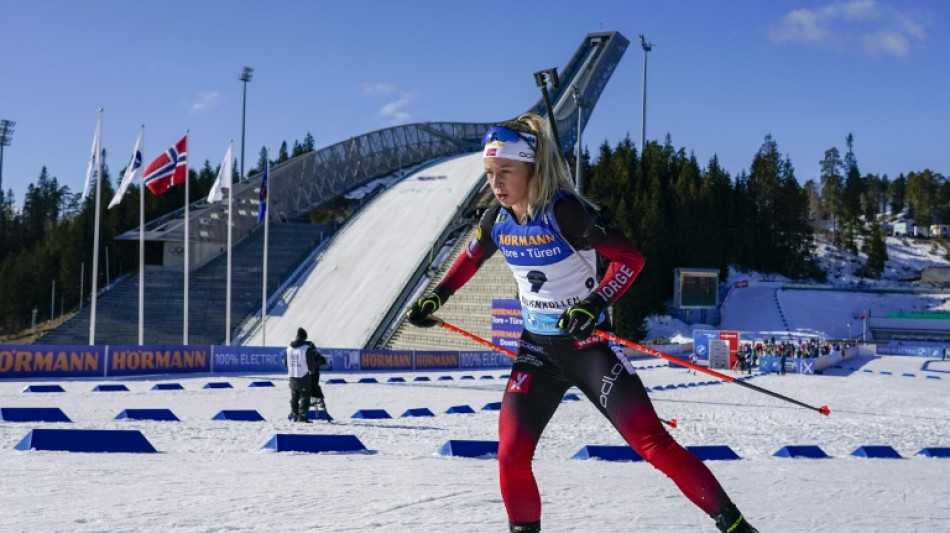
[{"x": 468, "y": 309}]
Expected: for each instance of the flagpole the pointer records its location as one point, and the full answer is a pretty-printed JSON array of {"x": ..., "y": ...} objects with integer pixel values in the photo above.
[
  {"x": 227, "y": 321},
  {"x": 266, "y": 230},
  {"x": 97, "y": 146},
  {"x": 142, "y": 247},
  {"x": 187, "y": 255}
]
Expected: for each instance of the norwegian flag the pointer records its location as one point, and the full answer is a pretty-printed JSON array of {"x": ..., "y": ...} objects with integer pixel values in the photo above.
[{"x": 168, "y": 169}]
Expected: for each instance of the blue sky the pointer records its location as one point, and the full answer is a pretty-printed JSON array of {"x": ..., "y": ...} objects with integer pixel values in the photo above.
[{"x": 721, "y": 75}]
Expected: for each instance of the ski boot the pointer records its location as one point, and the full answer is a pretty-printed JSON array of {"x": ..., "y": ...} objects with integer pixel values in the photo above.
[
  {"x": 730, "y": 520},
  {"x": 322, "y": 412},
  {"x": 533, "y": 527}
]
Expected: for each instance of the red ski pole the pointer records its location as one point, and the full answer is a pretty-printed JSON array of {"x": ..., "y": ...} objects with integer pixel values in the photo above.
[
  {"x": 650, "y": 351},
  {"x": 671, "y": 422}
]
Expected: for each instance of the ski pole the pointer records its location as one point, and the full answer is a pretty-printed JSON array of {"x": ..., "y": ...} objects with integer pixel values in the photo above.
[
  {"x": 475, "y": 338},
  {"x": 823, "y": 409},
  {"x": 671, "y": 422}
]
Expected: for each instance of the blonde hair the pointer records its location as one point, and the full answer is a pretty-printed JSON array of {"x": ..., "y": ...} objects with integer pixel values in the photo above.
[{"x": 550, "y": 170}]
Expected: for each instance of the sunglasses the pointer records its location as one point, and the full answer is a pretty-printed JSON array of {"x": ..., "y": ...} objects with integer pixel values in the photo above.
[{"x": 500, "y": 133}]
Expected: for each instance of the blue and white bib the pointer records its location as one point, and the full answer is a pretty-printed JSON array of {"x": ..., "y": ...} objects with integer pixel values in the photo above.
[{"x": 550, "y": 275}]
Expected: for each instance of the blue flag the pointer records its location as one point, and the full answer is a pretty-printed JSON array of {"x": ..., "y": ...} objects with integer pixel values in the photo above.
[{"x": 262, "y": 209}]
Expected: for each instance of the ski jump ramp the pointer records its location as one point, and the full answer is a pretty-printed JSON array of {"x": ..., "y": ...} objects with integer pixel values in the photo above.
[
  {"x": 346, "y": 292},
  {"x": 348, "y": 288}
]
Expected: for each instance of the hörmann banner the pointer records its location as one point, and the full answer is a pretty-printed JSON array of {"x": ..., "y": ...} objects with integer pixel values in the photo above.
[
  {"x": 27, "y": 361},
  {"x": 142, "y": 360}
]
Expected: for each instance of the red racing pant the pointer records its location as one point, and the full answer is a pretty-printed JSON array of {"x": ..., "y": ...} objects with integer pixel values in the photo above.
[{"x": 546, "y": 367}]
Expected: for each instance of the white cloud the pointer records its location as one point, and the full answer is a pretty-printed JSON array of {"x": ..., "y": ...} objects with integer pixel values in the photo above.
[
  {"x": 377, "y": 88},
  {"x": 395, "y": 112},
  {"x": 799, "y": 25},
  {"x": 867, "y": 25},
  {"x": 887, "y": 43},
  {"x": 205, "y": 100}
]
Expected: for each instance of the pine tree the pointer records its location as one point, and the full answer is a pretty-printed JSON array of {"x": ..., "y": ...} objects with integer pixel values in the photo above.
[
  {"x": 876, "y": 249},
  {"x": 832, "y": 186}
]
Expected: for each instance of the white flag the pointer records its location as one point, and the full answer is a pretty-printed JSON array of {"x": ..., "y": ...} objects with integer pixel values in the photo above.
[
  {"x": 133, "y": 171},
  {"x": 94, "y": 157},
  {"x": 224, "y": 178}
]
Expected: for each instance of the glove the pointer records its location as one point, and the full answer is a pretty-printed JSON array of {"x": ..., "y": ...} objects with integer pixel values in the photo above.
[
  {"x": 580, "y": 319},
  {"x": 418, "y": 314}
]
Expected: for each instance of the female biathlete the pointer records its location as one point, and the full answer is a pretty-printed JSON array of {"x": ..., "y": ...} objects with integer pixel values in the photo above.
[{"x": 550, "y": 236}]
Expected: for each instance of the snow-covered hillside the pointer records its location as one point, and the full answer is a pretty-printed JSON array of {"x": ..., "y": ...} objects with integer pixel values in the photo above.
[{"x": 825, "y": 314}]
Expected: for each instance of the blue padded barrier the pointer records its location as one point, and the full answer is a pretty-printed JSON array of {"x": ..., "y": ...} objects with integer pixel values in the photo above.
[
  {"x": 876, "y": 452},
  {"x": 493, "y": 406},
  {"x": 148, "y": 414},
  {"x": 470, "y": 448},
  {"x": 396, "y": 380},
  {"x": 886, "y": 372},
  {"x": 33, "y": 414},
  {"x": 261, "y": 384},
  {"x": 371, "y": 413},
  {"x": 112, "y": 387},
  {"x": 167, "y": 386},
  {"x": 335, "y": 381},
  {"x": 934, "y": 452},
  {"x": 446, "y": 378},
  {"x": 467, "y": 377},
  {"x": 283, "y": 442},
  {"x": 713, "y": 453},
  {"x": 908, "y": 374},
  {"x": 43, "y": 388},
  {"x": 459, "y": 409},
  {"x": 417, "y": 411},
  {"x": 869, "y": 371},
  {"x": 607, "y": 453},
  {"x": 422, "y": 378},
  {"x": 368, "y": 380},
  {"x": 933, "y": 377},
  {"x": 487, "y": 377},
  {"x": 218, "y": 385},
  {"x": 810, "y": 452},
  {"x": 86, "y": 440},
  {"x": 504, "y": 376},
  {"x": 570, "y": 397},
  {"x": 244, "y": 415}
]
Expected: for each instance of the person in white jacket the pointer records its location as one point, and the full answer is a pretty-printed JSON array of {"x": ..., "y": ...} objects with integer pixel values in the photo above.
[{"x": 301, "y": 359}]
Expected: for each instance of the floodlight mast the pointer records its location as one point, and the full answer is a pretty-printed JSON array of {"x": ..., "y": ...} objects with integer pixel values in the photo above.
[
  {"x": 647, "y": 47},
  {"x": 542, "y": 78},
  {"x": 246, "y": 75},
  {"x": 6, "y": 137}
]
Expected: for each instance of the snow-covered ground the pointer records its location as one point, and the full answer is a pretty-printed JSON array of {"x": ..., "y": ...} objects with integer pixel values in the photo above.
[{"x": 212, "y": 475}]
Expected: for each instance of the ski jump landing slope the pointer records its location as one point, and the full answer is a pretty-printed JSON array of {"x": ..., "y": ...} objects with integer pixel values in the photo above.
[{"x": 350, "y": 286}]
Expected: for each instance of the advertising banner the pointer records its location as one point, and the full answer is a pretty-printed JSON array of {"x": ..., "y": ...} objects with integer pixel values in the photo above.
[
  {"x": 437, "y": 360},
  {"x": 53, "y": 361},
  {"x": 915, "y": 350},
  {"x": 385, "y": 360},
  {"x": 506, "y": 323},
  {"x": 342, "y": 359},
  {"x": 484, "y": 360},
  {"x": 248, "y": 359},
  {"x": 701, "y": 338},
  {"x": 161, "y": 359}
]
